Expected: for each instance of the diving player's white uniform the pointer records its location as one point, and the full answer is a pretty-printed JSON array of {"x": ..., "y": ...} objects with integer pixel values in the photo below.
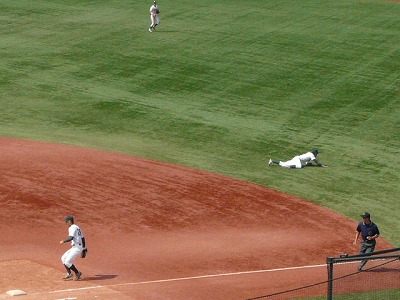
[{"x": 298, "y": 161}]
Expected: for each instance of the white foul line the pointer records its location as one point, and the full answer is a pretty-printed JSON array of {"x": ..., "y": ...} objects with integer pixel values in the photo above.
[{"x": 185, "y": 278}]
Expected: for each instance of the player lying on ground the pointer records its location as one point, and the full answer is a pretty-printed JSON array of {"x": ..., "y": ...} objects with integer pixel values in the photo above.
[{"x": 299, "y": 161}]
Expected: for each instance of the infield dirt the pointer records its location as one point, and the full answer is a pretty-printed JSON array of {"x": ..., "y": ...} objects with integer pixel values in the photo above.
[{"x": 148, "y": 223}]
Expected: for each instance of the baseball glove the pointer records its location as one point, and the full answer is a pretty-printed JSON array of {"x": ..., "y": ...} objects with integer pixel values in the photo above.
[
  {"x": 84, "y": 253},
  {"x": 157, "y": 11}
]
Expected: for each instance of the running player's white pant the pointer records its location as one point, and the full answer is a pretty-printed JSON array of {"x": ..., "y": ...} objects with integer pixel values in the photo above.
[
  {"x": 154, "y": 19},
  {"x": 69, "y": 256},
  {"x": 295, "y": 161}
]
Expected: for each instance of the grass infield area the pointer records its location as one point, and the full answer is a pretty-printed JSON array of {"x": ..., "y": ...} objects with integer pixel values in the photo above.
[{"x": 221, "y": 86}]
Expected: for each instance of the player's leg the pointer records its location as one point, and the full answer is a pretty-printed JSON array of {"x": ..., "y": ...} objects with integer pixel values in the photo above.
[
  {"x": 68, "y": 259},
  {"x": 152, "y": 22},
  {"x": 69, "y": 273},
  {"x": 286, "y": 164},
  {"x": 64, "y": 261},
  {"x": 364, "y": 249},
  {"x": 156, "y": 21},
  {"x": 368, "y": 249},
  {"x": 297, "y": 162},
  {"x": 273, "y": 162},
  {"x": 294, "y": 163},
  {"x": 78, "y": 274}
]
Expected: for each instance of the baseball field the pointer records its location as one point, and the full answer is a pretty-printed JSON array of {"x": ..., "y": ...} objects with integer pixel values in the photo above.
[{"x": 217, "y": 91}]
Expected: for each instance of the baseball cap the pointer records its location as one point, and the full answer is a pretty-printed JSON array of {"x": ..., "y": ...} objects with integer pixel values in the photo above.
[
  {"x": 366, "y": 215},
  {"x": 69, "y": 218}
]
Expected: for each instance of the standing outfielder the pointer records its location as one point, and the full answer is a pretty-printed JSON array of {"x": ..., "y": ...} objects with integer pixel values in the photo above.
[
  {"x": 299, "y": 161},
  {"x": 77, "y": 239},
  {"x": 155, "y": 20}
]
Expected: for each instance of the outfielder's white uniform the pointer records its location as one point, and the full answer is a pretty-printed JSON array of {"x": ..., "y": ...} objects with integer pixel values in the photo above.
[
  {"x": 298, "y": 161},
  {"x": 155, "y": 20},
  {"x": 77, "y": 247}
]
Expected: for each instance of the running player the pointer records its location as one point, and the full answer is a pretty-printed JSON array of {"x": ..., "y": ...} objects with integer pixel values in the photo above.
[{"x": 155, "y": 20}]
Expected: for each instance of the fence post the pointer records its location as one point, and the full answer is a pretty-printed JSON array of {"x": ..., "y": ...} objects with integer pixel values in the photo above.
[{"x": 329, "y": 264}]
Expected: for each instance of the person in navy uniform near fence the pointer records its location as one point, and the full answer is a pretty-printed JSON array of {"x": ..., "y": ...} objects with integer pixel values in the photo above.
[{"x": 369, "y": 232}]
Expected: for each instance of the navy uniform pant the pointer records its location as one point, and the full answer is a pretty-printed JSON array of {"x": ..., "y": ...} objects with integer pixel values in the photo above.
[{"x": 366, "y": 247}]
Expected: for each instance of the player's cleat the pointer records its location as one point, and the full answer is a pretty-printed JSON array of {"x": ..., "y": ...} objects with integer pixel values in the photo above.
[
  {"x": 68, "y": 276},
  {"x": 78, "y": 276},
  {"x": 150, "y": 29},
  {"x": 270, "y": 162}
]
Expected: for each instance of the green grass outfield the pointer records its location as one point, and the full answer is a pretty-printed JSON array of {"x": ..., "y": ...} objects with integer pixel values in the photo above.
[
  {"x": 370, "y": 295},
  {"x": 222, "y": 86}
]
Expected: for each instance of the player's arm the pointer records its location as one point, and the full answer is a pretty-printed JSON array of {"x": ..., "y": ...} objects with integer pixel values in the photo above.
[
  {"x": 319, "y": 164},
  {"x": 70, "y": 238},
  {"x": 375, "y": 236},
  {"x": 357, "y": 235},
  {"x": 370, "y": 238}
]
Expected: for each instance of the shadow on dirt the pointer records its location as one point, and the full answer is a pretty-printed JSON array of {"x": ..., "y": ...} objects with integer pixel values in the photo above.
[{"x": 100, "y": 277}]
